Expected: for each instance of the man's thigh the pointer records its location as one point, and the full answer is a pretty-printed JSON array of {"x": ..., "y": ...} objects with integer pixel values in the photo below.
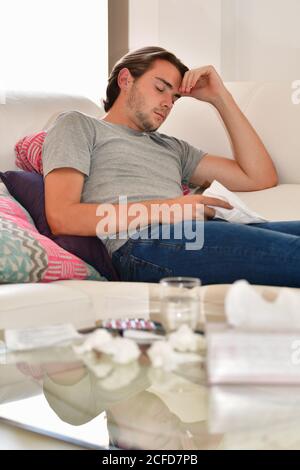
[
  {"x": 228, "y": 252},
  {"x": 290, "y": 227}
]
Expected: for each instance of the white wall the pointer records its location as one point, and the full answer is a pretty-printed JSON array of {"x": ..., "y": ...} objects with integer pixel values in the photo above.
[
  {"x": 244, "y": 39},
  {"x": 143, "y": 23},
  {"x": 190, "y": 29},
  {"x": 261, "y": 39}
]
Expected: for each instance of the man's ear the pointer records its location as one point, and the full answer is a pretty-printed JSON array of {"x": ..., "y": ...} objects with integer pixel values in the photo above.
[{"x": 124, "y": 78}]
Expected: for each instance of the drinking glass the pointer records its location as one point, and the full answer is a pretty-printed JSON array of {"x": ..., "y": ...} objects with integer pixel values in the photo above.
[{"x": 179, "y": 302}]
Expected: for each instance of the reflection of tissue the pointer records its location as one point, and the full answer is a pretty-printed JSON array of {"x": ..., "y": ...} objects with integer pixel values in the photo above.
[
  {"x": 161, "y": 354},
  {"x": 240, "y": 212},
  {"x": 121, "y": 376},
  {"x": 246, "y": 309},
  {"x": 229, "y": 407}
]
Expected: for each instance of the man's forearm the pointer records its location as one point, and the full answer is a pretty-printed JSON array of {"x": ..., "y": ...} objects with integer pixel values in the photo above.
[
  {"x": 85, "y": 219},
  {"x": 249, "y": 151}
]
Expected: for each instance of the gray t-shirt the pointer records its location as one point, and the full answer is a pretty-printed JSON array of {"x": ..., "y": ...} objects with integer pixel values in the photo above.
[{"x": 117, "y": 160}]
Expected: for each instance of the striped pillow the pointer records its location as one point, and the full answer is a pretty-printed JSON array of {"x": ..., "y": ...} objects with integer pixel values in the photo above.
[
  {"x": 28, "y": 256},
  {"x": 29, "y": 152}
]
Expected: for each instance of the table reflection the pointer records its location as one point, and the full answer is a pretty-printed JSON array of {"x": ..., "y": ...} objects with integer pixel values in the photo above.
[
  {"x": 255, "y": 417},
  {"x": 146, "y": 408}
]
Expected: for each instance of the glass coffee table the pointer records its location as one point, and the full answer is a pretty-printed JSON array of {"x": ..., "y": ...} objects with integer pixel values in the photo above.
[{"x": 75, "y": 399}]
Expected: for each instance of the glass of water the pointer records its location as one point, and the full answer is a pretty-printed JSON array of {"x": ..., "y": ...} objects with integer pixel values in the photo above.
[{"x": 179, "y": 302}]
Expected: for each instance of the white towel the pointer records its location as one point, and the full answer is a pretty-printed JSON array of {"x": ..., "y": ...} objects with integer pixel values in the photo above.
[
  {"x": 246, "y": 309},
  {"x": 240, "y": 212}
]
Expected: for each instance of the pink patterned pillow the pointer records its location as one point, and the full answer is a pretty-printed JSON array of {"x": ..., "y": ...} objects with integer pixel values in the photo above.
[
  {"x": 29, "y": 152},
  {"x": 28, "y": 256},
  {"x": 185, "y": 189}
]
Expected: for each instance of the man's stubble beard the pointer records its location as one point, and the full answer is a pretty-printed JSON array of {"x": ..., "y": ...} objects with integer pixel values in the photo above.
[{"x": 135, "y": 104}]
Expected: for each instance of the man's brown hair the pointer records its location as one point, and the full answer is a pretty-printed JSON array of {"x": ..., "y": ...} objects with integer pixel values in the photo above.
[{"x": 138, "y": 62}]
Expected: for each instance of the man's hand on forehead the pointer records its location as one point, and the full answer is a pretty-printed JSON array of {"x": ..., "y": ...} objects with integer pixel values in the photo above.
[{"x": 203, "y": 84}]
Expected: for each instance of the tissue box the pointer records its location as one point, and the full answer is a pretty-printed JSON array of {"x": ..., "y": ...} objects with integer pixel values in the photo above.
[{"x": 237, "y": 356}]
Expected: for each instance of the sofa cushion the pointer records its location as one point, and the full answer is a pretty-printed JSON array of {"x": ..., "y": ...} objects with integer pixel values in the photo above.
[
  {"x": 28, "y": 189},
  {"x": 25, "y": 112},
  {"x": 28, "y": 256},
  {"x": 276, "y": 204},
  {"x": 269, "y": 108},
  {"x": 27, "y": 305},
  {"x": 28, "y": 152},
  {"x": 119, "y": 299},
  {"x": 142, "y": 300}
]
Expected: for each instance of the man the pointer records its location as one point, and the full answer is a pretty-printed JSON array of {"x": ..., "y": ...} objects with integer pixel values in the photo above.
[{"x": 88, "y": 163}]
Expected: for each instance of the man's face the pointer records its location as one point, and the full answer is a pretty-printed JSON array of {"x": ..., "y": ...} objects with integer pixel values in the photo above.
[{"x": 152, "y": 96}]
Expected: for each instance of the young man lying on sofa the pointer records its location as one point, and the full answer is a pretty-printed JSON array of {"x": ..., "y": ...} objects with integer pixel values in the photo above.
[{"x": 89, "y": 163}]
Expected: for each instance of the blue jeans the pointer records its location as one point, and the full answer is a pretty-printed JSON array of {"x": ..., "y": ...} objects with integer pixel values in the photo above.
[{"x": 263, "y": 253}]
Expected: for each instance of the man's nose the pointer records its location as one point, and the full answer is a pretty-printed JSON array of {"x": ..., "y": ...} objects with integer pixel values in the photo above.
[{"x": 168, "y": 102}]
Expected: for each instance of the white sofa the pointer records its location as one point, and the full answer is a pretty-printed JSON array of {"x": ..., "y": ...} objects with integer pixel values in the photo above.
[{"x": 270, "y": 109}]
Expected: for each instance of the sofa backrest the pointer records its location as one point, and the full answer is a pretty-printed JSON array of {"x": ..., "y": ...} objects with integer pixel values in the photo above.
[
  {"x": 269, "y": 108},
  {"x": 23, "y": 113}
]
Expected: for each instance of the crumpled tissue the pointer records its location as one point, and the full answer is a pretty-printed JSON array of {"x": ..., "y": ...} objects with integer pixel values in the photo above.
[
  {"x": 240, "y": 212},
  {"x": 185, "y": 340},
  {"x": 175, "y": 349},
  {"x": 121, "y": 350}
]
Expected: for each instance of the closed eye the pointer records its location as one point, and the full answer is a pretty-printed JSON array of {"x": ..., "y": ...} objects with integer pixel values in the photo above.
[{"x": 161, "y": 90}]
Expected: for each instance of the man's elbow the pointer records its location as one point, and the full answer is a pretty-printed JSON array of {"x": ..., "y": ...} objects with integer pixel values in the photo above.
[
  {"x": 56, "y": 224},
  {"x": 275, "y": 181},
  {"x": 267, "y": 180},
  {"x": 271, "y": 181}
]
